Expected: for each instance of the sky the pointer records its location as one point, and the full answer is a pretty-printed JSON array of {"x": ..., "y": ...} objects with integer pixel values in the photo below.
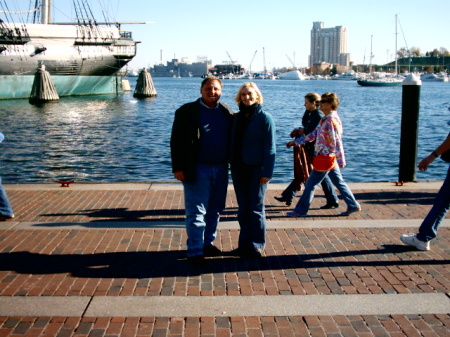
[{"x": 279, "y": 31}]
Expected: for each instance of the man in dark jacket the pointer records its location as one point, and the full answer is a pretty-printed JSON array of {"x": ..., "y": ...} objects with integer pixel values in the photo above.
[{"x": 200, "y": 153}]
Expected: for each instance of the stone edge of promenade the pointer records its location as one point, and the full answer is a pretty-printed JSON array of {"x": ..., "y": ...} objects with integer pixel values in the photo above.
[{"x": 156, "y": 185}]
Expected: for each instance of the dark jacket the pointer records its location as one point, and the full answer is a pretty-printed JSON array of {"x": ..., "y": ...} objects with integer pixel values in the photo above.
[
  {"x": 258, "y": 142},
  {"x": 185, "y": 138},
  {"x": 310, "y": 120}
]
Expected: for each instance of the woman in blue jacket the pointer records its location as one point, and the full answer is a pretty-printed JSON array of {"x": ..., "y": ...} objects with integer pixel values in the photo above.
[{"x": 252, "y": 163}]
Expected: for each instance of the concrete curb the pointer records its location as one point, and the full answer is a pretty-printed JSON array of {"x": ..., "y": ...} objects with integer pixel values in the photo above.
[
  {"x": 158, "y": 186},
  {"x": 201, "y": 306}
]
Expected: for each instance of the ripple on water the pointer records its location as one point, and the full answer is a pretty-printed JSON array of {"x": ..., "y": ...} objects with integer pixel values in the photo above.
[{"x": 119, "y": 138}]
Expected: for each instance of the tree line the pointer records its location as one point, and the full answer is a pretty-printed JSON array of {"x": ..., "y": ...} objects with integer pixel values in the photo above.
[{"x": 416, "y": 52}]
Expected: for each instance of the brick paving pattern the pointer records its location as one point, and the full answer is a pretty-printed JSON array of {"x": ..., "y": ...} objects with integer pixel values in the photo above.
[
  {"x": 379, "y": 325},
  {"x": 67, "y": 205},
  {"x": 151, "y": 262}
]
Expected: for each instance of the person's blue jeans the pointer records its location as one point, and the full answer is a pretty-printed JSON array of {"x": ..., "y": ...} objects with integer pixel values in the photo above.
[
  {"x": 204, "y": 199},
  {"x": 429, "y": 227},
  {"x": 315, "y": 178},
  {"x": 5, "y": 207},
  {"x": 330, "y": 195},
  {"x": 250, "y": 195}
]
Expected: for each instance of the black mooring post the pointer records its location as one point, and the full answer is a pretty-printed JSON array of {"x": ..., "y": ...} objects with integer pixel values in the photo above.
[{"x": 409, "y": 128}]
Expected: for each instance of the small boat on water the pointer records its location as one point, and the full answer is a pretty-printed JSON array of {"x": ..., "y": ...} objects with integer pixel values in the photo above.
[
  {"x": 434, "y": 78},
  {"x": 82, "y": 58},
  {"x": 380, "y": 82},
  {"x": 348, "y": 76}
]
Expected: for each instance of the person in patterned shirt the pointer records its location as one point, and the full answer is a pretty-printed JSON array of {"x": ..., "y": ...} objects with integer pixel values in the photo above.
[{"x": 328, "y": 137}]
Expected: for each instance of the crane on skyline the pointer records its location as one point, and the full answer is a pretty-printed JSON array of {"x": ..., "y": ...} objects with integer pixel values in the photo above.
[
  {"x": 250, "y": 65},
  {"x": 231, "y": 60},
  {"x": 293, "y": 64}
]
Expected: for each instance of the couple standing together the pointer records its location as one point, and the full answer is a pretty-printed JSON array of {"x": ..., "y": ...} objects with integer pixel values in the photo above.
[{"x": 206, "y": 137}]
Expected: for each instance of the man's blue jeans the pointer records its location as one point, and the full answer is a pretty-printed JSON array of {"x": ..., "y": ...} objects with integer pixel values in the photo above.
[
  {"x": 204, "y": 199},
  {"x": 250, "y": 195},
  {"x": 5, "y": 207},
  {"x": 429, "y": 227},
  {"x": 315, "y": 178}
]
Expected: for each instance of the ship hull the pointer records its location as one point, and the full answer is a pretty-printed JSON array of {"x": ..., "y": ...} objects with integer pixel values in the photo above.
[
  {"x": 19, "y": 86},
  {"x": 79, "y": 62}
]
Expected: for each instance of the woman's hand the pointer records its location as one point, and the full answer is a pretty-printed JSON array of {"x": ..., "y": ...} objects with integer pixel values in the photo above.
[
  {"x": 423, "y": 165},
  {"x": 297, "y": 132},
  {"x": 290, "y": 144},
  {"x": 264, "y": 180}
]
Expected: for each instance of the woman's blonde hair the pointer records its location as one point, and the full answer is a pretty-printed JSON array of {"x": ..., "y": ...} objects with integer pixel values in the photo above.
[
  {"x": 332, "y": 98},
  {"x": 253, "y": 85}
]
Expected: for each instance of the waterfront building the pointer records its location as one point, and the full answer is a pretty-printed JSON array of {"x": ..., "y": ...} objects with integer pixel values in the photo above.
[
  {"x": 329, "y": 45},
  {"x": 227, "y": 69},
  {"x": 177, "y": 68}
]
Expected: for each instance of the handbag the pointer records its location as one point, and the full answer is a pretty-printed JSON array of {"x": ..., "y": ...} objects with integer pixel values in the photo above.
[{"x": 324, "y": 163}]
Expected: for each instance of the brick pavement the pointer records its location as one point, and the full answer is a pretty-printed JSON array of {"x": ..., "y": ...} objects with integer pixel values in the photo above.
[
  {"x": 300, "y": 260},
  {"x": 72, "y": 205}
]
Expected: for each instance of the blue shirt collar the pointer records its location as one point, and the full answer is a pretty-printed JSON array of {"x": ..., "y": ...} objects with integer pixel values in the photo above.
[{"x": 203, "y": 104}]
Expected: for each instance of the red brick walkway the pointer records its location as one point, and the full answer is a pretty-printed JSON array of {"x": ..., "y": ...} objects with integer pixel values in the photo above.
[{"x": 302, "y": 260}]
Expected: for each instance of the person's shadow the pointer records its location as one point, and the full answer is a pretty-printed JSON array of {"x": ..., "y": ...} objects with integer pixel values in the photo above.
[{"x": 148, "y": 264}]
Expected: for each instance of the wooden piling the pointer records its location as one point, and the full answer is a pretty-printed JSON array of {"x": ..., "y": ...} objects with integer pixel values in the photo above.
[
  {"x": 43, "y": 89},
  {"x": 144, "y": 85}
]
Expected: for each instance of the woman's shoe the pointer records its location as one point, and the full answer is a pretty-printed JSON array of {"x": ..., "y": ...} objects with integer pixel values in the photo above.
[
  {"x": 4, "y": 218},
  {"x": 254, "y": 254},
  {"x": 329, "y": 206},
  {"x": 295, "y": 214},
  {"x": 282, "y": 199},
  {"x": 350, "y": 211}
]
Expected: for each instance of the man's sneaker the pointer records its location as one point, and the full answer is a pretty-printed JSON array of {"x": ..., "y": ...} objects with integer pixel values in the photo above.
[{"x": 412, "y": 240}]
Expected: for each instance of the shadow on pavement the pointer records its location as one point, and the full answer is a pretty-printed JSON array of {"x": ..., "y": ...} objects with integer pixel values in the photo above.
[{"x": 172, "y": 263}]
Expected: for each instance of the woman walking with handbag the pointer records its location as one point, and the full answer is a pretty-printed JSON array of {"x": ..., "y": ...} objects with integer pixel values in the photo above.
[
  {"x": 329, "y": 157},
  {"x": 303, "y": 155}
]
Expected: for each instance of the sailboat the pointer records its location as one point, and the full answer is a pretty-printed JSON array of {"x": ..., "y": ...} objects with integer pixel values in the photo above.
[
  {"x": 382, "y": 81},
  {"x": 83, "y": 57}
]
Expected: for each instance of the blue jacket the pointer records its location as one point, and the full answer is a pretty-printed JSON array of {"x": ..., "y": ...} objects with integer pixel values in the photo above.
[{"x": 258, "y": 144}]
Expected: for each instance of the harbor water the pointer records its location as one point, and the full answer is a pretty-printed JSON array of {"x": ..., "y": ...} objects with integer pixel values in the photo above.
[{"x": 124, "y": 139}]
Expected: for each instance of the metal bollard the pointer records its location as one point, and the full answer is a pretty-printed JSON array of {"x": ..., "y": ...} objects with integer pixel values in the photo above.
[{"x": 409, "y": 128}]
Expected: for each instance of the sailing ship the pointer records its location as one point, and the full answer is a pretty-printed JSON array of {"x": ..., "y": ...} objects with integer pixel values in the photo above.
[
  {"x": 82, "y": 57},
  {"x": 382, "y": 81}
]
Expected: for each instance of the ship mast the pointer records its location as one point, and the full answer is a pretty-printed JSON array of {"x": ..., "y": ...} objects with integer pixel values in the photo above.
[
  {"x": 396, "y": 54},
  {"x": 45, "y": 12}
]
